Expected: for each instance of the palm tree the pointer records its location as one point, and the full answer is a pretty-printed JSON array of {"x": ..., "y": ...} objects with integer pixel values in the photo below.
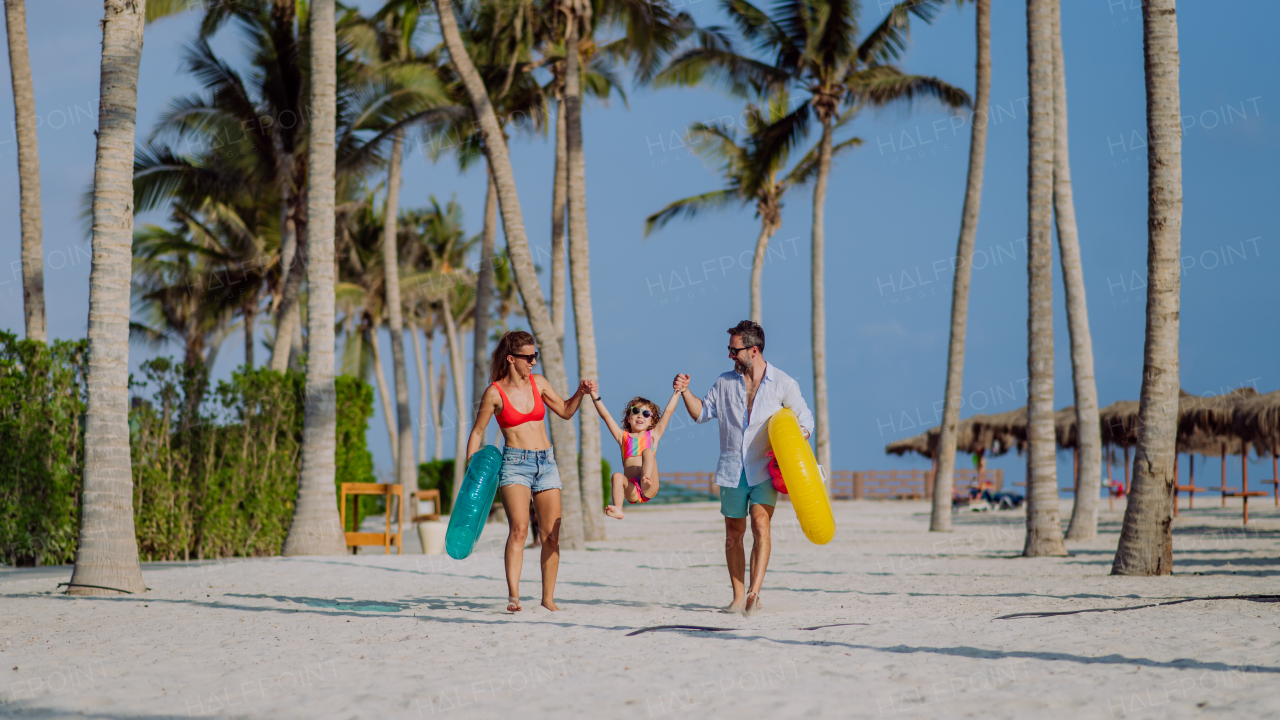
[
  {"x": 361, "y": 293},
  {"x": 944, "y": 473},
  {"x": 559, "y": 189},
  {"x": 507, "y": 294},
  {"x": 1084, "y": 512},
  {"x": 1146, "y": 540},
  {"x": 518, "y": 244},
  {"x": 236, "y": 151},
  {"x": 578, "y": 12},
  {"x": 751, "y": 169},
  {"x": 24, "y": 111},
  {"x": 187, "y": 285},
  {"x": 484, "y": 294},
  {"x": 813, "y": 46},
  {"x": 650, "y": 30},
  {"x": 407, "y": 87},
  {"x": 446, "y": 284},
  {"x": 425, "y": 394},
  {"x": 316, "y": 529},
  {"x": 107, "y": 556},
  {"x": 1044, "y": 531}
]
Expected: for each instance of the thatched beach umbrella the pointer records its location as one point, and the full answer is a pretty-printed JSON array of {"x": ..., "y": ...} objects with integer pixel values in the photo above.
[
  {"x": 969, "y": 439},
  {"x": 1256, "y": 421},
  {"x": 1206, "y": 427},
  {"x": 918, "y": 444},
  {"x": 1004, "y": 431}
]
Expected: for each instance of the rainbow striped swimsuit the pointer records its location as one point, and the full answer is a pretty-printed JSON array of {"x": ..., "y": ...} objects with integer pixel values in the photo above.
[{"x": 634, "y": 446}]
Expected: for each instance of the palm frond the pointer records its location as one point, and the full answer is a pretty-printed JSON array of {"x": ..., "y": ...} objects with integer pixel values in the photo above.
[
  {"x": 807, "y": 169},
  {"x": 691, "y": 207},
  {"x": 715, "y": 62},
  {"x": 889, "y": 39},
  {"x": 882, "y": 85}
]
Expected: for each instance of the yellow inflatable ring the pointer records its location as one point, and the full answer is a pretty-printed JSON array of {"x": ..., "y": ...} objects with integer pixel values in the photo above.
[{"x": 804, "y": 480}]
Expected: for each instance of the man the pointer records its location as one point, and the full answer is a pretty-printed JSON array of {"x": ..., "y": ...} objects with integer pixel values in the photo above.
[{"x": 743, "y": 401}]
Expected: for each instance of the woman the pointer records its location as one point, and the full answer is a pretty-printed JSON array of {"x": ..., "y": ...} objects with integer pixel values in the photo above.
[{"x": 518, "y": 399}]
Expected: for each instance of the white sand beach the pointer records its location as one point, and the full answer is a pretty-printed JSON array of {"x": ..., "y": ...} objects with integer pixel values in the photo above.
[{"x": 886, "y": 621}]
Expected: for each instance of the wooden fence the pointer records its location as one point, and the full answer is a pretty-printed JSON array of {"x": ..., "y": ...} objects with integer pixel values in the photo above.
[{"x": 861, "y": 484}]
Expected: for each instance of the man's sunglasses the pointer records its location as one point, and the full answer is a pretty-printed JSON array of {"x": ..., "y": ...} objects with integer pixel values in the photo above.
[
  {"x": 526, "y": 358},
  {"x": 734, "y": 351},
  {"x": 639, "y": 411}
]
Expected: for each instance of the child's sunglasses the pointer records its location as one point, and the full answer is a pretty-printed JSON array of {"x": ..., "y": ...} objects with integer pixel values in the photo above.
[{"x": 638, "y": 411}]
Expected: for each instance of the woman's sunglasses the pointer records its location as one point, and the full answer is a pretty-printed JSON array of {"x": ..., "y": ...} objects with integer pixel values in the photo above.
[
  {"x": 526, "y": 358},
  {"x": 639, "y": 411}
]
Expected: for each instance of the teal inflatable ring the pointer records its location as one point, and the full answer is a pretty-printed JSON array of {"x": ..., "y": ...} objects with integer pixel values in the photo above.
[{"x": 471, "y": 509}]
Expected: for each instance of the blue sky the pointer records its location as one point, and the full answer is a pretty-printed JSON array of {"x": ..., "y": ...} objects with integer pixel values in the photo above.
[{"x": 893, "y": 212}]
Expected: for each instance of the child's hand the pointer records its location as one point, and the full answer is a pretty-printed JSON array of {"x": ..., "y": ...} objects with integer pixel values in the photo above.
[
  {"x": 681, "y": 383},
  {"x": 584, "y": 388}
]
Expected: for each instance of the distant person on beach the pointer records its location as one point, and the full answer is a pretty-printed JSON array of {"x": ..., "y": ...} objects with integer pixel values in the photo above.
[
  {"x": 642, "y": 427},
  {"x": 518, "y": 399},
  {"x": 743, "y": 400}
]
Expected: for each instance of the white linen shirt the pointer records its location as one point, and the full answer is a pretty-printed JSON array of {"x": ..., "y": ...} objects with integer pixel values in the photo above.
[{"x": 743, "y": 444}]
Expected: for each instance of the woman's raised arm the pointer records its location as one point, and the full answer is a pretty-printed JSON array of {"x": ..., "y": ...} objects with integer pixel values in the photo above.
[{"x": 560, "y": 406}]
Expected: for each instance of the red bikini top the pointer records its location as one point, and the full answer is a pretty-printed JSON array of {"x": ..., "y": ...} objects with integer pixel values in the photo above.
[{"x": 510, "y": 417}]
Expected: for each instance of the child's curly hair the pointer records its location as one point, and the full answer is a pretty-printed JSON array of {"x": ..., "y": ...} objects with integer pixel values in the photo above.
[{"x": 641, "y": 402}]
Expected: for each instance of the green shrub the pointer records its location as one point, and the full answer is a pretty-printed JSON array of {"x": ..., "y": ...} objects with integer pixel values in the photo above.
[
  {"x": 214, "y": 480},
  {"x": 42, "y": 405},
  {"x": 606, "y": 481},
  {"x": 216, "y": 485},
  {"x": 354, "y": 461},
  {"x": 438, "y": 475}
]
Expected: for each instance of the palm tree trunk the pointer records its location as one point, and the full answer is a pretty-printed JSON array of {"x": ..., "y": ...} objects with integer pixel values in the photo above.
[
  {"x": 822, "y": 442},
  {"x": 435, "y": 389},
  {"x": 944, "y": 478},
  {"x": 442, "y": 384},
  {"x": 562, "y": 435},
  {"x": 484, "y": 297},
  {"x": 107, "y": 557},
  {"x": 24, "y": 111},
  {"x": 316, "y": 529},
  {"x": 559, "y": 189},
  {"x": 1084, "y": 511},
  {"x": 297, "y": 348},
  {"x": 1044, "y": 529},
  {"x": 294, "y": 267},
  {"x": 580, "y": 276},
  {"x": 250, "y": 313},
  {"x": 757, "y": 271},
  {"x": 456, "y": 363},
  {"x": 424, "y": 394},
  {"x": 384, "y": 392},
  {"x": 406, "y": 468},
  {"x": 1146, "y": 540}
]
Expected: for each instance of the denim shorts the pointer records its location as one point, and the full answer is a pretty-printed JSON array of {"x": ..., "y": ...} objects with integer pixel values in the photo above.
[
  {"x": 737, "y": 501},
  {"x": 534, "y": 469}
]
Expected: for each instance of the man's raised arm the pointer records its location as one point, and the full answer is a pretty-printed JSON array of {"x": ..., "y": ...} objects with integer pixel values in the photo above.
[{"x": 691, "y": 402}]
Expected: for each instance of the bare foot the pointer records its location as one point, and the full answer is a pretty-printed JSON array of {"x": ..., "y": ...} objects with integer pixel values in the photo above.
[
  {"x": 753, "y": 604},
  {"x": 513, "y": 604},
  {"x": 613, "y": 511},
  {"x": 550, "y": 605},
  {"x": 736, "y": 606},
  {"x": 647, "y": 485}
]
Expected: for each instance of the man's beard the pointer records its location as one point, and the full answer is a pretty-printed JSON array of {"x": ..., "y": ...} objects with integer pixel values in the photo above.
[{"x": 742, "y": 367}]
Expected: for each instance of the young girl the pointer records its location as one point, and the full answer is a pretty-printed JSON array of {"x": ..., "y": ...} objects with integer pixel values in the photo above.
[{"x": 644, "y": 424}]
